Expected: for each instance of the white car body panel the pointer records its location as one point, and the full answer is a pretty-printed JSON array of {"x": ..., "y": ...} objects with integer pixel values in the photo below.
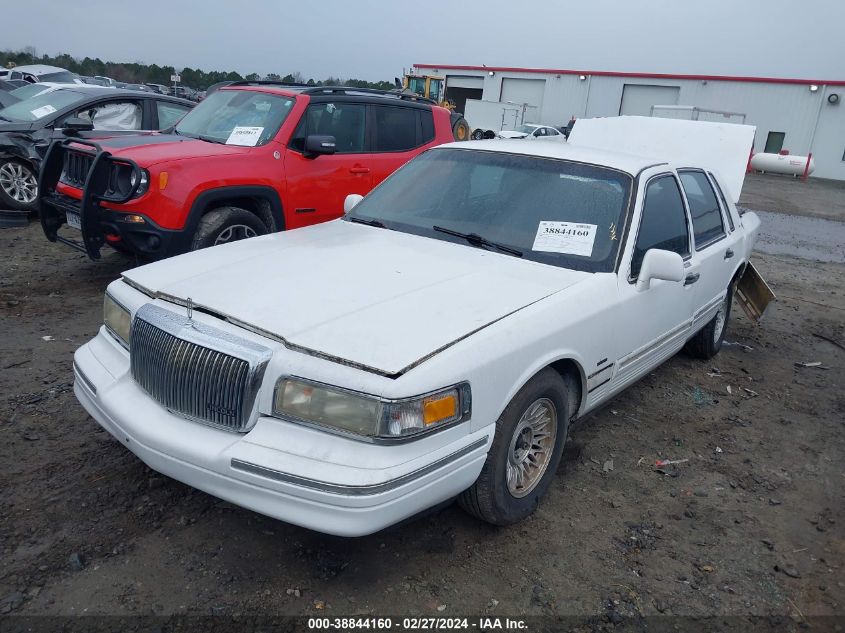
[
  {"x": 720, "y": 147},
  {"x": 393, "y": 315}
]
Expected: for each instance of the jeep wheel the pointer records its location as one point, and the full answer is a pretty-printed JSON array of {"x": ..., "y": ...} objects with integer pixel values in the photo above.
[
  {"x": 525, "y": 454},
  {"x": 224, "y": 225},
  {"x": 18, "y": 185}
]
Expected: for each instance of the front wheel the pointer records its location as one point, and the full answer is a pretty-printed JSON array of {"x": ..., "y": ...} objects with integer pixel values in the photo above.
[
  {"x": 525, "y": 454},
  {"x": 18, "y": 185},
  {"x": 708, "y": 341},
  {"x": 224, "y": 225}
]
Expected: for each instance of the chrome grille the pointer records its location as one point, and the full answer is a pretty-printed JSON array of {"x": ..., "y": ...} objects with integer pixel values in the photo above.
[
  {"x": 76, "y": 167},
  {"x": 175, "y": 361}
]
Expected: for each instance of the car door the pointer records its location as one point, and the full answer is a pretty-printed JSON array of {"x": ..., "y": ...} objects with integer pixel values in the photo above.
[
  {"x": 397, "y": 134},
  {"x": 653, "y": 323},
  {"x": 713, "y": 256},
  {"x": 317, "y": 186}
]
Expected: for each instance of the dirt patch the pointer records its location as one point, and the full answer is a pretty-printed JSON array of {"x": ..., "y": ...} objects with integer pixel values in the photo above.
[{"x": 752, "y": 523}]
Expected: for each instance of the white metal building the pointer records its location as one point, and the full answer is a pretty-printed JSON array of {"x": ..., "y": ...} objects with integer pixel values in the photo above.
[{"x": 798, "y": 115}]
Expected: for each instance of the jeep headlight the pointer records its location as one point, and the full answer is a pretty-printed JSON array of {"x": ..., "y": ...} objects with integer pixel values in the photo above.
[
  {"x": 366, "y": 415},
  {"x": 144, "y": 183},
  {"x": 117, "y": 320}
]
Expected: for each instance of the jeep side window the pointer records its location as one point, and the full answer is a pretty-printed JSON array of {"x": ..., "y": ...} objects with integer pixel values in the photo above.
[
  {"x": 663, "y": 223},
  {"x": 344, "y": 121},
  {"x": 396, "y": 128}
]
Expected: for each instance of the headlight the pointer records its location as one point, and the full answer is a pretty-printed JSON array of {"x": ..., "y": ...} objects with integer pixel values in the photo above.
[
  {"x": 144, "y": 183},
  {"x": 117, "y": 320},
  {"x": 366, "y": 415}
]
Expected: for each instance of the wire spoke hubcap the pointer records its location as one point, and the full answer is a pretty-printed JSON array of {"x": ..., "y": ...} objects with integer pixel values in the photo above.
[
  {"x": 234, "y": 233},
  {"x": 531, "y": 447},
  {"x": 720, "y": 319},
  {"x": 18, "y": 182}
]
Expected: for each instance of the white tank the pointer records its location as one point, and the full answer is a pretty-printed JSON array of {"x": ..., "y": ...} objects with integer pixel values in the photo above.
[{"x": 782, "y": 163}]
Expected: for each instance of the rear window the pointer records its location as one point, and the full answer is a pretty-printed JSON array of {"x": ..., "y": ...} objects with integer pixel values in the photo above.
[{"x": 704, "y": 208}]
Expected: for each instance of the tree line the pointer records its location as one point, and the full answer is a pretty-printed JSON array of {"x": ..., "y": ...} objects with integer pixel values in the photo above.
[{"x": 138, "y": 73}]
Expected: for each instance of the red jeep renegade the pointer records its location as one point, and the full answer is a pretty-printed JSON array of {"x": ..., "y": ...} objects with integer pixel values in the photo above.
[{"x": 250, "y": 159}]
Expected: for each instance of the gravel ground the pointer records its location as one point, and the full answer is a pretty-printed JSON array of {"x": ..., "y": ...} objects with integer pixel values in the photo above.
[{"x": 751, "y": 525}]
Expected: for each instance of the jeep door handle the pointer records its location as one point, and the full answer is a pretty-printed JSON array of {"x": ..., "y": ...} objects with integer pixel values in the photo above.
[
  {"x": 729, "y": 253},
  {"x": 359, "y": 170},
  {"x": 691, "y": 278}
]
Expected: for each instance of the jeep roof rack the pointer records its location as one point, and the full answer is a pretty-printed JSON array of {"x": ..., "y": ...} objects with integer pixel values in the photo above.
[
  {"x": 350, "y": 90},
  {"x": 267, "y": 82}
]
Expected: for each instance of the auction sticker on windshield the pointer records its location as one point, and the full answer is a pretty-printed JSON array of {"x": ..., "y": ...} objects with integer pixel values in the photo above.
[
  {"x": 246, "y": 136},
  {"x": 43, "y": 111},
  {"x": 569, "y": 238}
]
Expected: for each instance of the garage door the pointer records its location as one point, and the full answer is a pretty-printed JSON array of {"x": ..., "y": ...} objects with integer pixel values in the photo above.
[
  {"x": 464, "y": 81},
  {"x": 638, "y": 99},
  {"x": 528, "y": 91}
]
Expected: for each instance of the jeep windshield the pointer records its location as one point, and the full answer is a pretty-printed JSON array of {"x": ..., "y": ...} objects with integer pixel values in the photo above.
[
  {"x": 236, "y": 117},
  {"x": 548, "y": 210},
  {"x": 40, "y": 106}
]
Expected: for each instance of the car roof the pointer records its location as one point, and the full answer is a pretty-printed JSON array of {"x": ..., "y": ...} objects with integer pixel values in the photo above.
[
  {"x": 106, "y": 91},
  {"x": 629, "y": 163},
  {"x": 38, "y": 69},
  {"x": 333, "y": 93}
]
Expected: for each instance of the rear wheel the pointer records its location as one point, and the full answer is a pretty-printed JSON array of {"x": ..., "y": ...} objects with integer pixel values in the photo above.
[
  {"x": 224, "y": 225},
  {"x": 708, "y": 341},
  {"x": 525, "y": 454},
  {"x": 18, "y": 185},
  {"x": 460, "y": 130}
]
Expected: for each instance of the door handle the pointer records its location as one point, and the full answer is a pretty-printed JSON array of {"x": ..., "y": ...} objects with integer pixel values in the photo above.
[
  {"x": 359, "y": 170},
  {"x": 691, "y": 278},
  {"x": 729, "y": 253}
]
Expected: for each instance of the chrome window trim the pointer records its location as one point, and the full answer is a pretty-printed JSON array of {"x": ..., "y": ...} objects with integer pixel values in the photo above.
[{"x": 355, "y": 491}]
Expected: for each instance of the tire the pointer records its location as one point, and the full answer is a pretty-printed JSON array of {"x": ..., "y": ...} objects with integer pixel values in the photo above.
[
  {"x": 477, "y": 135},
  {"x": 496, "y": 497},
  {"x": 224, "y": 225},
  {"x": 460, "y": 130},
  {"x": 708, "y": 341},
  {"x": 18, "y": 185}
]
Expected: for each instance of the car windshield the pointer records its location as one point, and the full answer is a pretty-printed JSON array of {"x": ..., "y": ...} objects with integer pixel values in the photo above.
[
  {"x": 25, "y": 92},
  {"x": 548, "y": 210},
  {"x": 526, "y": 129},
  {"x": 237, "y": 117},
  {"x": 40, "y": 106},
  {"x": 61, "y": 77}
]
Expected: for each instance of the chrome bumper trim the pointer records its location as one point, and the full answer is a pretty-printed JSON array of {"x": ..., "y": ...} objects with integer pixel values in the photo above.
[{"x": 355, "y": 491}]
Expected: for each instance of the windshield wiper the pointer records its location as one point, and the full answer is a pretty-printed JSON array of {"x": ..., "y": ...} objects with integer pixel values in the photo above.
[
  {"x": 209, "y": 139},
  {"x": 376, "y": 223},
  {"x": 477, "y": 240}
]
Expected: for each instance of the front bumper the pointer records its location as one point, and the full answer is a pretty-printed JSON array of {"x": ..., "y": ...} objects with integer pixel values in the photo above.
[{"x": 296, "y": 482}]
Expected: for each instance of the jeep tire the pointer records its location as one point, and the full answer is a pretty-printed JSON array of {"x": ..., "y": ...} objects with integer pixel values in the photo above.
[{"x": 224, "y": 225}]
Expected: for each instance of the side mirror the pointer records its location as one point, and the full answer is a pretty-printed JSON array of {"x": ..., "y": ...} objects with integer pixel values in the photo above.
[
  {"x": 316, "y": 145},
  {"x": 75, "y": 124},
  {"x": 351, "y": 200},
  {"x": 660, "y": 264}
]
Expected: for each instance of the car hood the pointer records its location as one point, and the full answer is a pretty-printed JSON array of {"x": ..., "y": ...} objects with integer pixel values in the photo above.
[
  {"x": 376, "y": 299},
  {"x": 512, "y": 134},
  {"x": 149, "y": 149}
]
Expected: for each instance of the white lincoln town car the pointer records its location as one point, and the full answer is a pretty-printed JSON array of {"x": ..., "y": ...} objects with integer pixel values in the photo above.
[{"x": 436, "y": 342}]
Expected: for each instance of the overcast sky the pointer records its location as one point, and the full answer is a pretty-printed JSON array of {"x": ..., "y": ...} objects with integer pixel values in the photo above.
[{"x": 375, "y": 39}]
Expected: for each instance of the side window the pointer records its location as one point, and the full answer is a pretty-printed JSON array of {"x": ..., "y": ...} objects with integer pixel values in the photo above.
[
  {"x": 396, "y": 128},
  {"x": 169, "y": 113},
  {"x": 344, "y": 121},
  {"x": 704, "y": 209},
  {"x": 115, "y": 115},
  {"x": 427, "y": 120},
  {"x": 663, "y": 223},
  {"x": 724, "y": 202}
]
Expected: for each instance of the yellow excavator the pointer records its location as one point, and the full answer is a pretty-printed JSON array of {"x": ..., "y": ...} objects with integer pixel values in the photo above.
[{"x": 434, "y": 88}]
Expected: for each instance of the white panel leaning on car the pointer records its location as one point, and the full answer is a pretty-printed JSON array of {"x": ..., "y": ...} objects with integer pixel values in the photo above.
[{"x": 435, "y": 342}]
